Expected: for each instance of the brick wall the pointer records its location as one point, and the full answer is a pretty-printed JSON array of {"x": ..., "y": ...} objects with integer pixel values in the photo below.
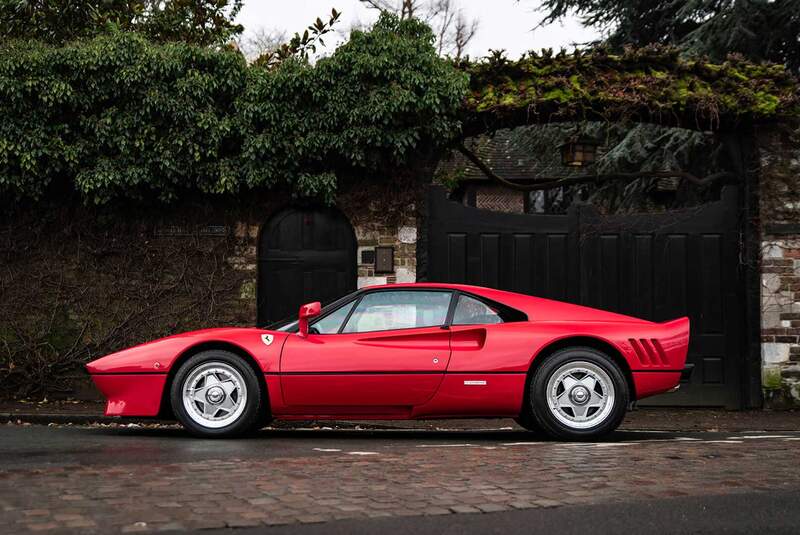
[
  {"x": 780, "y": 267},
  {"x": 500, "y": 199}
]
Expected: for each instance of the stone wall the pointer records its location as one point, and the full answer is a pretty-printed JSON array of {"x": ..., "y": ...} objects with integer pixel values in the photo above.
[
  {"x": 780, "y": 267},
  {"x": 402, "y": 238},
  {"x": 79, "y": 282},
  {"x": 375, "y": 224}
]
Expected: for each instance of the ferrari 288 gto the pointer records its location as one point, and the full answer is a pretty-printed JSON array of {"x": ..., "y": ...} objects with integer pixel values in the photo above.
[{"x": 405, "y": 351}]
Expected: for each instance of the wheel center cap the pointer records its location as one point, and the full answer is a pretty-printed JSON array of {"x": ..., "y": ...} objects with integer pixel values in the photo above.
[
  {"x": 579, "y": 395},
  {"x": 215, "y": 395}
]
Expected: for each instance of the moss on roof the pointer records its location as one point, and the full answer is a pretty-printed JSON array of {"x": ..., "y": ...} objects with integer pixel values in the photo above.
[{"x": 651, "y": 84}]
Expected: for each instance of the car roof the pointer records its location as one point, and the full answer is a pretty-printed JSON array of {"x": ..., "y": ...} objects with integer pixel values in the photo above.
[
  {"x": 514, "y": 300},
  {"x": 534, "y": 307}
]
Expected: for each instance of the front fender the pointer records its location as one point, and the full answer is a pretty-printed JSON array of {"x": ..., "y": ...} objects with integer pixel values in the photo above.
[
  {"x": 159, "y": 356},
  {"x": 133, "y": 380}
]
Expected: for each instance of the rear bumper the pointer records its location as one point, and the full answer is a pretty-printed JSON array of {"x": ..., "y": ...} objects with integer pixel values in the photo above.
[
  {"x": 652, "y": 382},
  {"x": 131, "y": 394}
]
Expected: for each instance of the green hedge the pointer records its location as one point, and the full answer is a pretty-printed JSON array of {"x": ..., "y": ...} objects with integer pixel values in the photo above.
[{"x": 119, "y": 116}]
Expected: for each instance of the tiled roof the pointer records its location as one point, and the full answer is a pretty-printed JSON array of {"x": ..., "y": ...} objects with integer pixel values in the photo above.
[{"x": 521, "y": 154}]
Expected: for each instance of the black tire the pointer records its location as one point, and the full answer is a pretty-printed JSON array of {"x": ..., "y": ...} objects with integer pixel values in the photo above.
[
  {"x": 254, "y": 411},
  {"x": 553, "y": 425},
  {"x": 528, "y": 421}
]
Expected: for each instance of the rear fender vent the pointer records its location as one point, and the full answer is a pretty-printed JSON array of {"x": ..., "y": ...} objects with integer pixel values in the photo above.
[{"x": 649, "y": 352}]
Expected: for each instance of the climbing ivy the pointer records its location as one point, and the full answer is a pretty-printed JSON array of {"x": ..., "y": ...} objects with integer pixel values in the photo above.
[
  {"x": 650, "y": 84},
  {"x": 119, "y": 116}
]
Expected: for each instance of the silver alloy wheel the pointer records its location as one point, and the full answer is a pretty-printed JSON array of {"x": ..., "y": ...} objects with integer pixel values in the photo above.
[
  {"x": 214, "y": 394},
  {"x": 580, "y": 394}
]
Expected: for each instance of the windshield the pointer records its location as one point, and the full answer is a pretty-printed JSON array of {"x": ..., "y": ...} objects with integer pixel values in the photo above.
[{"x": 290, "y": 324}]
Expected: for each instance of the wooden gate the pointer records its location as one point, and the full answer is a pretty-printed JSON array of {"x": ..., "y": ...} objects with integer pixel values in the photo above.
[
  {"x": 654, "y": 266},
  {"x": 304, "y": 255}
]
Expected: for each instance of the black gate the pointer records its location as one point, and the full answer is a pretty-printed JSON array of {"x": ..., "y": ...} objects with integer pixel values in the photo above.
[
  {"x": 654, "y": 266},
  {"x": 304, "y": 255}
]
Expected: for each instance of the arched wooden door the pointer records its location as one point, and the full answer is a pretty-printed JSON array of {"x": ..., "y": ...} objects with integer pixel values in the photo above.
[{"x": 305, "y": 254}]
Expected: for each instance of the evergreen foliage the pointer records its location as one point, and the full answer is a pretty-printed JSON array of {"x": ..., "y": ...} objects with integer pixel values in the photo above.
[
  {"x": 200, "y": 22},
  {"x": 120, "y": 116},
  {"x": 760, "y": 30}
]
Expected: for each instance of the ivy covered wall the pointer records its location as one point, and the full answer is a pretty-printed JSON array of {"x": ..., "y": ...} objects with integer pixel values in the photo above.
[{"x": 121, "y": 117}]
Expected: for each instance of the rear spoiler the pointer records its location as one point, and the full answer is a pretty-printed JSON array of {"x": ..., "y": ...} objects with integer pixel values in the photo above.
[{"x": 679, "y": 323}]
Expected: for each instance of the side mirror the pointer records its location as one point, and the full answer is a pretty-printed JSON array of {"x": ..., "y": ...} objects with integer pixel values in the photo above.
[{"x": 307, "y": 311}]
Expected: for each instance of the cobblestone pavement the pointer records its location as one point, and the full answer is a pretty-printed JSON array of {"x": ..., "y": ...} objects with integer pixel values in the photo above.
[{"x": 104, "y": 480}]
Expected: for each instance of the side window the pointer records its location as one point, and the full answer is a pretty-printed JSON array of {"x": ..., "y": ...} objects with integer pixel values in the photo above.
[
  {"x": 470, "y": 311},
  {"x": 389, "y": 310},
  {"x": 330, "y": 324}
]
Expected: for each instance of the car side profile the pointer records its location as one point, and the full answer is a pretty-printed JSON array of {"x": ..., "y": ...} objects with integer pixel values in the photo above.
[{"x": 405, "y": 351}]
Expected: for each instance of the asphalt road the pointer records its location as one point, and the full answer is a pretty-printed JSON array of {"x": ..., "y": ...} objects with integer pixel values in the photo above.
[
  {"x": 116, "y": 479},
  {"x": 36, "y": 446}
]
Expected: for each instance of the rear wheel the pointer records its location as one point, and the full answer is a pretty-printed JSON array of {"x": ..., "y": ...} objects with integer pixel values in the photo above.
[
  {"x": 578, "y": 393},
  {"x": 216, "y": 394}
]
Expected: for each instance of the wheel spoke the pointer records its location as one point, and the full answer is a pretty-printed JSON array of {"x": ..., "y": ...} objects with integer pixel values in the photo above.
[
  {"x": 210, "y": 410},
  {"x": 580, "y": 411},
  {"x": 596, "y": 400},
  {"x": 211, "y": 380},
  {"x": 564, "y": 402},
  {"x": 199, "y": 395},
  {"x": 568, "y": 382},
  {"x": 228, "y": 386},
  {"x": 589, "y": 382}
]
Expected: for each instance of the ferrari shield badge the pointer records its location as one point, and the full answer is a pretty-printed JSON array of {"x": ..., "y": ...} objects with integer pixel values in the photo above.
[{"x": 267, "y": 339}]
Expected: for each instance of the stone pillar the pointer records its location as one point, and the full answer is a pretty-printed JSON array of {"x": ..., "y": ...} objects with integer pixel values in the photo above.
[
  {"x": 780, "y": 267},
  {"x": 403, "y": 238},
  {"x": 245, "y": 260}
]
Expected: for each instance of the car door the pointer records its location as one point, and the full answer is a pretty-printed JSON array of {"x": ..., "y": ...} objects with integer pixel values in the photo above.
[
  {"x": 477, "y": 340},
  {"x": 388, "y": 350}
]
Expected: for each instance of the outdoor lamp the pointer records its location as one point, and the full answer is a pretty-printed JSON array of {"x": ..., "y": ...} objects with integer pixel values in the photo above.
[{"x": 579, "y": 152}]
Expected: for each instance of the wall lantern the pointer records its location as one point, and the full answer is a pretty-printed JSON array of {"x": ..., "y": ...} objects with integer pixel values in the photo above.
[
  {"x": 384, "y": 260},
  {"x": 579, "y": 152}
]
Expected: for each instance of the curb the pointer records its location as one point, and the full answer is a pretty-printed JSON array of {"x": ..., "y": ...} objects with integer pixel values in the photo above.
[
  {"x": 90, "y": 419},
  {"x": 75, "y": 419}
]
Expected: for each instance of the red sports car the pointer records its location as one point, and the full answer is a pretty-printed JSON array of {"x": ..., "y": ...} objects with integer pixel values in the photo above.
[{"x": 405, "y": 351}]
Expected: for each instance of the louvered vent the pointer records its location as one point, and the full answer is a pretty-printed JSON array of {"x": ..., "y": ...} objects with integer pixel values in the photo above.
[{"x": 649, "y": 352}]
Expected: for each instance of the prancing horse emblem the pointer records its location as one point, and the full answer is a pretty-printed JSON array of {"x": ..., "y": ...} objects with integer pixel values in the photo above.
[{"x": 267, "y": 339}]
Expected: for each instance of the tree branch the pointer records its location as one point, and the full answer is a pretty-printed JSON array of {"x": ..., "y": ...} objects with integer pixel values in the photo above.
[{"x": 556, "y": 182}]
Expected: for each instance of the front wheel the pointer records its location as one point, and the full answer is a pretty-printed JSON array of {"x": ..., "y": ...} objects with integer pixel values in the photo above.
[
  {"x": 578, "y": 393},
  {"x": 216, "y": 394}
]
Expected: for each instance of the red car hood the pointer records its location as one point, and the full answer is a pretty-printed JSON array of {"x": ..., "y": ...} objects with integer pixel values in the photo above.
[{"x": 159, "y": 355}]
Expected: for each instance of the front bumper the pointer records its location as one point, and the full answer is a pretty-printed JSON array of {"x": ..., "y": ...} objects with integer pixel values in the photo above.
[{"x": 132, "y": 394}]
